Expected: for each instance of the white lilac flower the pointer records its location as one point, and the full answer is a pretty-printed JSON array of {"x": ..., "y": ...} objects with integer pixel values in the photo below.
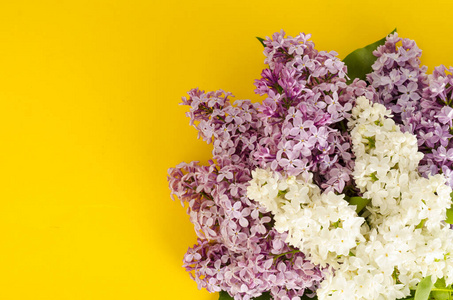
[
  {"x": 407, "y": 210},
  {"x": 322, "y": 226}
]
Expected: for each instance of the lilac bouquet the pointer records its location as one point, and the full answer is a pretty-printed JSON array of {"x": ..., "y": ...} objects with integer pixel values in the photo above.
[{"x": 337, "y": 186}]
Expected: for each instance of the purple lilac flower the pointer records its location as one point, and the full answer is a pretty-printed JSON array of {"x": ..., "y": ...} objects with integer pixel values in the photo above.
[
  {"x": 237, "y": 250},
  {"x": 421, "y": 103},
  {"x": 307, "y": 101}
]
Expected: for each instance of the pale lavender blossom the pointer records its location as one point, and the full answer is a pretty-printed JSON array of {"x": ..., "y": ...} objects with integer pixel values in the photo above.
[{"x": 237, "y": 251}]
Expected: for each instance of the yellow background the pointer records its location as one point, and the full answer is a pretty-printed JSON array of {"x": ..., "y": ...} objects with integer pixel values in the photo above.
[{"x": 90, "y": 123}]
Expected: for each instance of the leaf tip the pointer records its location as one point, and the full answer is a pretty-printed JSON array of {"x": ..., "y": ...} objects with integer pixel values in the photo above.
[{"x": 261, "y": 40}]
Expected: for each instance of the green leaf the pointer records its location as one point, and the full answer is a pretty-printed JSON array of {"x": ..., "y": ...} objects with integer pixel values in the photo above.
[
  {"x": 423, "y": 289},
  {"x": 440, "y": 295},
  {"x": 359, "y": 62},
  {"x": 305, "y": 297},
  {"x": 264, "y": 296},
  {"x": 359, "y": 201},
  {"x": 261, "y": 41},
  {"x": 440, "y": 283},
  {"x": 225, "y": 296}
]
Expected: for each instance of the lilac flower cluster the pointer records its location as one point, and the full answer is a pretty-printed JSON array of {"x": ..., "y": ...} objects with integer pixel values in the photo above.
[
  {"x": 238, "y": 251},
  {"x": 303, "y": 115},
  {"x": 421, "y": 103},
  {"x": 300, "y": 127}
]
